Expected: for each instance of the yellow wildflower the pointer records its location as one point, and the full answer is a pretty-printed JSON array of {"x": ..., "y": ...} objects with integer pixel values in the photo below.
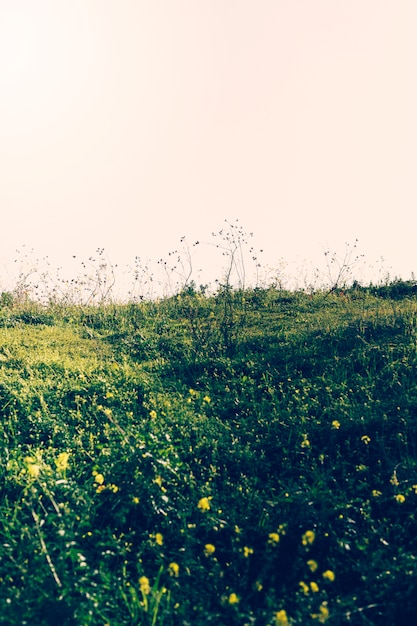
[
  {"x": 314, "y": 587},
  {"x": 365, "y": 439},
  {"x": 247, "y": 551},
  {"x": 99, "y": 479},
  {"x": 207, "y": 399},
  {"x": 204, "y": 504},
  {"x": 308, "y": 537},
  {"x": 61, "y": 461},
  {"x": 281, "y": 618},
  {"x": 209, "y": 549},
  {"x": 159, "y": 539},
  {"x": 400, "y": 498},
  {"x": 304, "y": 587},
  {"x": 394, "y": 479},
  {"x": 312, "y": 565},
  {"x": 174, "y": 569},
  {"x": 376, "y": 493},
  {"x": 323, "y": 615},
  {"x": 233, "y": 599},
  {"x": 329, "y": 575},
  {"x": 144, "y": 585},
  {"x": 34, "y": 469},
  {"x": 273, "y": 539},
  {"x": 336, "y": 424},
  {"x": 152, "y": 414}
]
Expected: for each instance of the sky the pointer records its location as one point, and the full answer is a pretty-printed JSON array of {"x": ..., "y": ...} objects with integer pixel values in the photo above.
[{"x": 126, "y": 125}]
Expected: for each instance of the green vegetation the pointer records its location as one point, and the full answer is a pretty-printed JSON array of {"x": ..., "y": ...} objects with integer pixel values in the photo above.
[{"x": 244, "y": 457}]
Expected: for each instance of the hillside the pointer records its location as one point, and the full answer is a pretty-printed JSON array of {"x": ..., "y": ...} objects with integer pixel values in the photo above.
[{"x": 248, "y": 457}]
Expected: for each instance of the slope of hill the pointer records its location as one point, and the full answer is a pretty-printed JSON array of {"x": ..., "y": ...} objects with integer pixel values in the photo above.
[{"x": 240, "y": 458}]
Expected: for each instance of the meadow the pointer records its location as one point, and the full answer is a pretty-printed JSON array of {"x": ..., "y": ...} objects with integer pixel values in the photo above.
[{"x": 244, "y": 457}]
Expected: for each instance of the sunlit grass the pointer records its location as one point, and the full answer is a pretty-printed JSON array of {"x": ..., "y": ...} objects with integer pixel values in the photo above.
[
  {"x": 51, "y": 345},
  {"x": 248, "y": 457}
]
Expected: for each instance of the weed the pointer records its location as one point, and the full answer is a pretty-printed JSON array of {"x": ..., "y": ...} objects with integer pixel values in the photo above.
[{"x": 246, "y": 456}]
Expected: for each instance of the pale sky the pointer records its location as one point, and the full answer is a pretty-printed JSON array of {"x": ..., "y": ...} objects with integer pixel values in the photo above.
[{"x": 126, "y": 124}]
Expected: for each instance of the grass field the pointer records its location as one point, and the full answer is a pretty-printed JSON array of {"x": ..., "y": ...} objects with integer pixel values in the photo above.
[{"x": 247, "y": 457}]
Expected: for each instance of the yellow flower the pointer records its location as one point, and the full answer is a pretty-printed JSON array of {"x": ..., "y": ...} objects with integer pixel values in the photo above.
[
  {"x": 135, "y": 500},
  {"x": 305, "y": 443},
  {"x": 207, "y": 399},
  {"x": 308, "y": 538},
  {"x": 400, "y": 498},
  {"x": 247, "y": 551},
  {"x": 314, "y": 587},
  {"x": 204, "y": 504},
  {"x": 273, "y": 539},
  {"x": 323, "y": 616},
  {"x": 394, "y": 479},
  {"x": 305, "y": 588},
  {"x": 144, "y": 585},
  {"x": 61, "y": 461},
  {"x": 159, "y": 539},
  {"x": 152, "y": 414},
  {"x": 174, "y": 569},
  {"x": 34, "y": 469},
  {"x": 336, "y": 424},
  {"x": 281, "y": 618},
  {"x": 312, "y": 565},
  {"x": 233, "y": 599},
  {"x": 365, "y": 439},
  {"x": 99, "y": 479},
  {"x": 329, "y": 575},
  {"x": 209, "y": 549},
  {"x": 376, "y": 493}
]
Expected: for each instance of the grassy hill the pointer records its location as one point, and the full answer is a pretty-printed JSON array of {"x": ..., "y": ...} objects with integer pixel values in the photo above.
[{"x": 248, "y": 457}]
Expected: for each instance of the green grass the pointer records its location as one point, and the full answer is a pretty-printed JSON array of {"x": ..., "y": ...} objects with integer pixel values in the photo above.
[{"x": 248, "y": 457}]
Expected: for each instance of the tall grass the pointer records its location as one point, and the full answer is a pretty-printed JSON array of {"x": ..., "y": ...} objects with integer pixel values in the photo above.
[{"x": 247, "y": 456}]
